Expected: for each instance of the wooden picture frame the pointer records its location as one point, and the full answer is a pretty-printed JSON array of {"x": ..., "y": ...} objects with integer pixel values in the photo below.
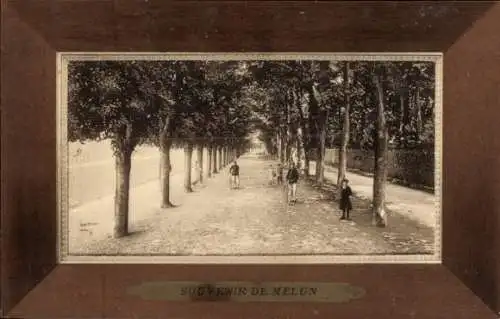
[{"x": 465, "y": 285}]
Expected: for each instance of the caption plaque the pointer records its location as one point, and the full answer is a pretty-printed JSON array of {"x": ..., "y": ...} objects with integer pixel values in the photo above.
[{"x": 247, "y": 291}]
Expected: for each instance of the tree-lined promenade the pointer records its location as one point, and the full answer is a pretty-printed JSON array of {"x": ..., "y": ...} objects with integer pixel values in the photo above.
[
  {"x": 169, "y": 104},
  {"x": 373, "y": 106},
  {"x": 254, "y": 220},
  {"x": 299, "y": 108}
]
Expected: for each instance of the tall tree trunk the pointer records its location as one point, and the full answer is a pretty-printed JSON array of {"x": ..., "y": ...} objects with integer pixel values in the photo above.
[
  {"x": 278, "y": 145},
  {"x": 199, "y": 151},
  {"x": 401, "y": 110},
  {"x": 223, "y": 154},
  {"x": 320, "y": 162},
  {"x": 314, "y": 112},
  {"x": 123, "y": 161},
  {"x": 369, "y": 98},
  {"x": 214, "y": 150},
  {"x": 304, "y": 138},
  {"x": 317, "y": 168},
  {"x": 165, "y": 146},
  {"x": 404, "y": 107},
  {"x": 283, "y": 146},
  {"x": 381, "y": 147},
  {"x": 288, "y": 149},
  {"x": 210, "y": 156},
  {"x": 300, "y": 155},
  {"x": 222, "y": 157},
  {"x": 419, "y": 113},
  {"x": 345, "y": 129},
  {"x": 219, "y": 149},
  {"x": 307, "y": 163},
  {"x": 188, "y": 157},
  {"x": 226, "y": 154}
]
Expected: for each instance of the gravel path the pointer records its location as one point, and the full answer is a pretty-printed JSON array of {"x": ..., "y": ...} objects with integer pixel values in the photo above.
[
  {"x": 253, "y": 220},
  {"x": 414, "y": 204}
]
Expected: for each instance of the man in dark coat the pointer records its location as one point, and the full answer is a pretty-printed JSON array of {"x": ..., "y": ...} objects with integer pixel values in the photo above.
[{"x": 292, "y": 177}]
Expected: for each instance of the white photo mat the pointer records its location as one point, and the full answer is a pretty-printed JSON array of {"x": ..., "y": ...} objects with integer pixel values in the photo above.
[{"x": 62, "y": 157}]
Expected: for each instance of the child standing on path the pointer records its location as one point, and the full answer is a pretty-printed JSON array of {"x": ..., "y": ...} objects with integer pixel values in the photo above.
[
  {"x": 292, "y": 177},
  {"x": 272, "y": 174},
  {"x": 345, "y": 200}
]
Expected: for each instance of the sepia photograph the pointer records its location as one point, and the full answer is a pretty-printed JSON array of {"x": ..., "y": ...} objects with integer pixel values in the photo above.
[{"x": 334, "y": 157}]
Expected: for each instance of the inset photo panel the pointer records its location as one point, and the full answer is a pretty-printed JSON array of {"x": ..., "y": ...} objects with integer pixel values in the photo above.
[{"x": 249, "y": 158}]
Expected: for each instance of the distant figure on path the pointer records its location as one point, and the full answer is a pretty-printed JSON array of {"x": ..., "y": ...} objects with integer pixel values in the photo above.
[
  {"x": 234, "y": 170},
  {"x": 345, "y": 200},
  {"x": 292, "y": 177},
  {"x": 279, "y": 174},
  {"x": 197, "y": 170},
  {"x": 271, "y": 174}
]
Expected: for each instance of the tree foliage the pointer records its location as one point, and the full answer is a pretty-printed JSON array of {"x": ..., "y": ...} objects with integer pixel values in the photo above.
[{"x": 108, "y": 100}]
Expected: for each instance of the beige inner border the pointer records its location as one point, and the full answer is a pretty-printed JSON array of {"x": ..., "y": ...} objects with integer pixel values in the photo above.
[{"x": 62, "y": 157}]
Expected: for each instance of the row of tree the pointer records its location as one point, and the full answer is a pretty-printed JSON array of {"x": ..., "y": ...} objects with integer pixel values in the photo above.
[
  {"x": 299, "y": 107},
  {"x": 305, "y": 106},
  {"x": 170, "y": 104}
]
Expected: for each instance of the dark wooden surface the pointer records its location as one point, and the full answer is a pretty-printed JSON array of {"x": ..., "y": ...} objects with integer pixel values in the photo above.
[
  {"x": 28, "y": 158},
  {"x": 392, "y": 291},
  {"x": 32, "y": 31},
  {"x": 235, "y": 26},
  {"x": 471, "y": 235}
]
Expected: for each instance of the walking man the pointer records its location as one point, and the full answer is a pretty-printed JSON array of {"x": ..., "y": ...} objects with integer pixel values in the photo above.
[
  {"x": 234, "y": 170},
  {"x": 292, "y": 177},
  {"x": 279, "y": 174}
]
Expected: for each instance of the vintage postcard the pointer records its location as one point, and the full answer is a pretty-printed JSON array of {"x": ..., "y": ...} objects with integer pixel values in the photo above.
[{"x": 249, "y": 158}]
